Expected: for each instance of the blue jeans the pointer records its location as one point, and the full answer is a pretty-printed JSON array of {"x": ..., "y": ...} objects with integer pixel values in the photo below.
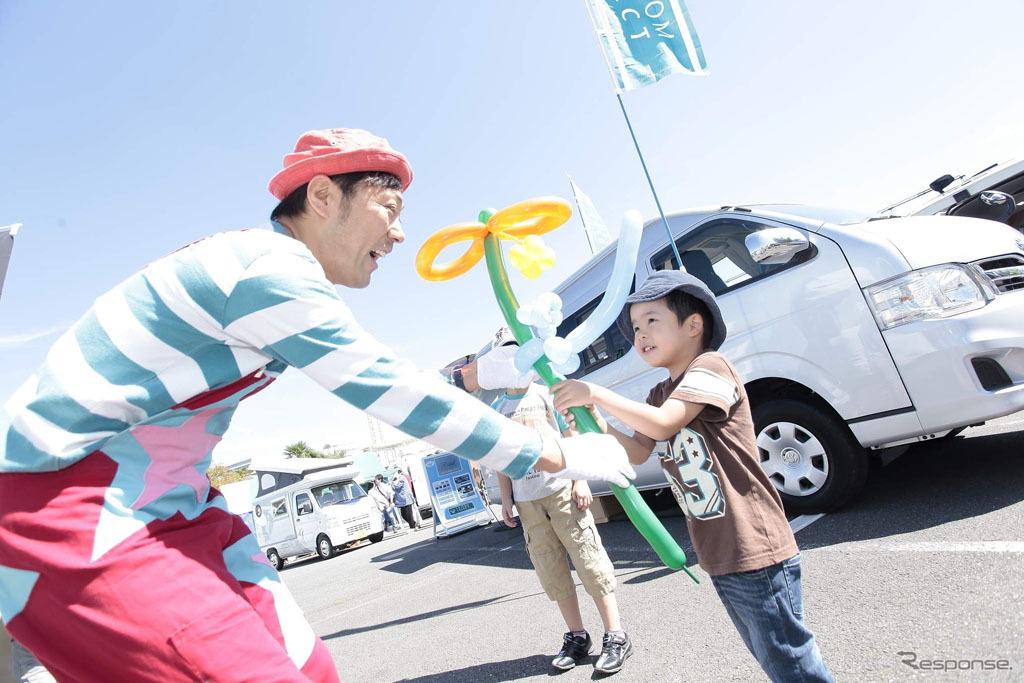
[{"x": 766, "y": 605}]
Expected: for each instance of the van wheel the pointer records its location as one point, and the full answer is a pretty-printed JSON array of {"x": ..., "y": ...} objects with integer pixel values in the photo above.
[
  {"x": 812, "y": 458},
  {"x": 324, "y": 548},
  {"x": 377, "y": 537},
  {"x": 275, "y": 559}
]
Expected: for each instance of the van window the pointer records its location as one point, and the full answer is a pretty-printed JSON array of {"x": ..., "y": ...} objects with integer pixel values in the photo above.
[
  {"x": 272, "y": 481},
  {"x": 610, "y": 346},
  {"x": 278, "y": 508},
  {"x": 717, "y": 254},
  {"x": 337, "y": 492},
  {"x": 303, "y": 505}
]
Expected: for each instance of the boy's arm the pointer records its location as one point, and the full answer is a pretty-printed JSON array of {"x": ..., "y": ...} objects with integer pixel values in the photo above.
[
  {"x": 505, "y": 486},
  {"x": 580, "y": 490},
  {"x": 581, "y": 494},
  {"x": 638, "y": 446},
  {"x": 655, "y": 423}
]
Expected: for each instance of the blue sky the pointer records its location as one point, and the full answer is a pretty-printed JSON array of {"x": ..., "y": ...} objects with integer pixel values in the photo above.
[{"x": 129, "y": 129}]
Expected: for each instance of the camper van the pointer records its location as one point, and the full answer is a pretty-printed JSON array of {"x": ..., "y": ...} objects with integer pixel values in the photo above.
[
  {"x": 307, "y": 505},
  {"x": 852, "y": 332}
]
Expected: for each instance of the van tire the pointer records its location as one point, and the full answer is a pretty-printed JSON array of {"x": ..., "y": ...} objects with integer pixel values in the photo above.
[
  {"x": 275, "y": 559},
  {"x": 807, "y": 450},
  {"x": 377, "y": 537},
  {"x": 324, "y": 547}
]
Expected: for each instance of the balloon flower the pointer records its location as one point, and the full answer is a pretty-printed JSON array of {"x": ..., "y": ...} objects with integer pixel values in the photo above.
[{"x": 535, "y": 325}]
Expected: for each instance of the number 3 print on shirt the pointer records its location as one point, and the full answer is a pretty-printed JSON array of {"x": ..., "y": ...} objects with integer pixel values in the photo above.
[{"x": 687, "y": 466}]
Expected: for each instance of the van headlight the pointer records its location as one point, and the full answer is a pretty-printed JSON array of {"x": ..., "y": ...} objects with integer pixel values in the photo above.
[{"x": 929, "y": 294}]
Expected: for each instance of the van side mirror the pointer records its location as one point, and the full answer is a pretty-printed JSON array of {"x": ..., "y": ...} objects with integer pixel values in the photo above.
[
  {"x": 999, "y": 201},
  {"x": 773, "y": 246}
]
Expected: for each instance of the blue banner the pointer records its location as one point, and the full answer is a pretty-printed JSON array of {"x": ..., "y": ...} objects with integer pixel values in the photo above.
[
  {"x": 453, "y": 491},
  {"x": 647, "y": 40}
]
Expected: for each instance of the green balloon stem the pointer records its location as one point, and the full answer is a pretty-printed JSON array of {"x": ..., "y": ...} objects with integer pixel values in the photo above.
[{"x": 649, "y": 526}]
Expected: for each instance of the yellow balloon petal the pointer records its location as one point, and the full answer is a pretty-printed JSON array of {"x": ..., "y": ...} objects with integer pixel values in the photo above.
[
  {"x": 517, "y": 256},
  {"x": 533, "y": 242}
]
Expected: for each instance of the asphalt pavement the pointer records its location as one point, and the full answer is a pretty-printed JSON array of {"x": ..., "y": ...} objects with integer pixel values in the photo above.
[{"x": 923, "y": 570}]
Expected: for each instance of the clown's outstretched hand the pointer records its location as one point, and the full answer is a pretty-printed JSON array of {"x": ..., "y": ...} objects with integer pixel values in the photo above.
[
  {"x": 496, "y": 369},
  {"x": 596, "y": 457}
]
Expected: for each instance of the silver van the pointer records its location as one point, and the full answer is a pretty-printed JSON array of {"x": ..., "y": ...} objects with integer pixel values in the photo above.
[{"x": 852, "y": 332}]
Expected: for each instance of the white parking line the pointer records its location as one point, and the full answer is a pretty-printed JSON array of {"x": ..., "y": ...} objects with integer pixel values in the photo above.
[
  {"x": 804, "y": 521},
  {"x": 927, "y": 547},
  {"x": 1000, "y": 424}
]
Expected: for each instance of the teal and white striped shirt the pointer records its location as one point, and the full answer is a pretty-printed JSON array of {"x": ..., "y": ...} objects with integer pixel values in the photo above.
[{"x": 189, "y": 328}]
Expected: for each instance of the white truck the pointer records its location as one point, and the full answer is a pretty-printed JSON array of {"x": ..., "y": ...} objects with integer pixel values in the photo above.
[
  {"x": 306, "y": 505},
  {"x": 852, "y": 332}
]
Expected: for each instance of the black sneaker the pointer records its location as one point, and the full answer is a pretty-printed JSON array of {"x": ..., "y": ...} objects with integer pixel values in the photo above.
[
  {"x": 574, "y": 648},
  {"x": 614, "y": 652}
]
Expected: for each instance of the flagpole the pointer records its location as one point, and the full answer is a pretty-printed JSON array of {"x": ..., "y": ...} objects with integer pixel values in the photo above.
[
  {"x": 657, "y": 202},
  {"x": 618, "y": 96}
]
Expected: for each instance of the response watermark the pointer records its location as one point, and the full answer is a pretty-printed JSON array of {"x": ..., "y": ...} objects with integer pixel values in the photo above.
[{"x": 953, "y": 663}]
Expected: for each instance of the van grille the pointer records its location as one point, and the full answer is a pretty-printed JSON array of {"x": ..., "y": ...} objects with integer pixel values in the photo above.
[
  {"x": 357, "y": 525},
  {"x": 1005, "y": 272}
]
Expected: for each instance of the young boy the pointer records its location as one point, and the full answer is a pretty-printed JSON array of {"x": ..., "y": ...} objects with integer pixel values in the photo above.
[
  {"x": 733, "y": 512},
  {"x": 556, "y": 519}
]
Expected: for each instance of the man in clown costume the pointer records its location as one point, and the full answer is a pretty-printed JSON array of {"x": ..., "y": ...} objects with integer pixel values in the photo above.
[{"x": 117, "y": 559}]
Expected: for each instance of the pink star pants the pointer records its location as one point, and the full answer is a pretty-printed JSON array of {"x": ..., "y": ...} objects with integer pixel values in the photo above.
[{"x": 171, "y": 603}]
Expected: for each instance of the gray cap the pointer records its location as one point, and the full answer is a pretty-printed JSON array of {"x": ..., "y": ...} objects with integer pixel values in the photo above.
[{"x": 659, "y": 285}]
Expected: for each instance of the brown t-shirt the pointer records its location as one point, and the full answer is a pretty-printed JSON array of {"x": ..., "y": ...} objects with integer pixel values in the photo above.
[{"x": 733, "y": 511}]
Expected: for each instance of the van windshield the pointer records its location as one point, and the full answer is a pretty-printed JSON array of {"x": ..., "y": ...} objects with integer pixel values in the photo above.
[{"x": 337, "y": 492}]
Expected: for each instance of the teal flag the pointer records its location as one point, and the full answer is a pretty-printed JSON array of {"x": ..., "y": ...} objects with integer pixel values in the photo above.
[
  {"x": 647, "y": 40},
  {"x": 7, "y": 234},
  {"x": 596, "y": 231}
]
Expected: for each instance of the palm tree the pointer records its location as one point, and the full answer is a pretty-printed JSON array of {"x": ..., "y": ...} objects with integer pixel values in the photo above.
[{"x": 300, "y": 449}]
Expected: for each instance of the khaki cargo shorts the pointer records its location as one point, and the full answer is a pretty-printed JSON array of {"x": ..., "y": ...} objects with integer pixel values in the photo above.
[{"x": 553, "y": 526}]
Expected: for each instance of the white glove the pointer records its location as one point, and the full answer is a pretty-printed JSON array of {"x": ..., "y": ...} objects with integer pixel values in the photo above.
[
  {"x": 496, "y": 369},
  {"x": 597, "y": 457}
]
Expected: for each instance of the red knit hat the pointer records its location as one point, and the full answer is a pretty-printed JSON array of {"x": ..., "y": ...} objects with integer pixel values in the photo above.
[{"x": 334, "y": 151}]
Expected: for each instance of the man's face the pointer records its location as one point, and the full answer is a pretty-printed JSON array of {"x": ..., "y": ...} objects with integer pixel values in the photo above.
[{"x": 361, "y": 230}]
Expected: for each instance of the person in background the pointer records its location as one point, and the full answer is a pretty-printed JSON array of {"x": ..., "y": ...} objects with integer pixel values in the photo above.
[
  {"x": 557, "y": 522},
  {"x": 415, "y": 500},
  {"x": 403, "y": 497},
  {"x": 388, "y": 494},
  {"x": 382, "y": 505}
]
